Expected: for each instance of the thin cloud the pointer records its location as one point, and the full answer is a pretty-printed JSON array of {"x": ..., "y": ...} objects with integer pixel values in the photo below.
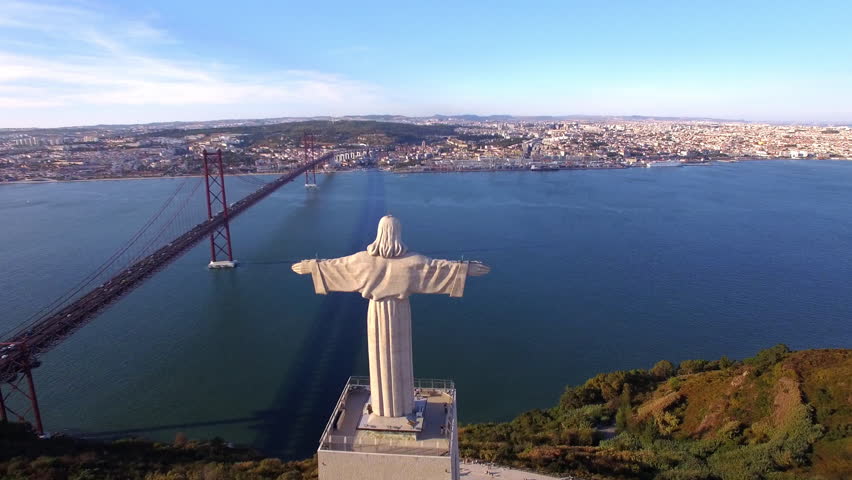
[{"x": 116, "y": 70}]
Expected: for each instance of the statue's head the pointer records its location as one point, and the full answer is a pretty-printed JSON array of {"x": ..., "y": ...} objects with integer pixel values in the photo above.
[{"x": 388, "y": 242}]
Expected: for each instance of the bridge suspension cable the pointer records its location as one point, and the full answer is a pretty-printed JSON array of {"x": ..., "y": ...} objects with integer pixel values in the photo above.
[
  {"x": 94, "y": 274},
  {"x": 69, "y": 312},
  {"x": 250, "y": 179},
  {"x": 154, "y": 242}
]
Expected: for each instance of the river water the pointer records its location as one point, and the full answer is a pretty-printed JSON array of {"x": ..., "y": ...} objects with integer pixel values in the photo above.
[{"x": 593, "y": 271}]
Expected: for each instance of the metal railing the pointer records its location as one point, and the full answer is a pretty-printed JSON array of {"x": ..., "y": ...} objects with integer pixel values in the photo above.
[
  {"x": 424, "y": 383},
  {"x": 327, "y": 431},
  {"x": 429, "y": 447},
  {"x": 386, "y": 445}
]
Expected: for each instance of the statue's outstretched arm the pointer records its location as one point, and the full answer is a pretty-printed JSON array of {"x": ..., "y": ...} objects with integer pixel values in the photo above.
[
  {"x": 477, "y": 269},
  {"x": 300, "y": 268}
]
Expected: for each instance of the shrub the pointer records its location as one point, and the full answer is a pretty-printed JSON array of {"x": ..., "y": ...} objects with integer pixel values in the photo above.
[
  {"x": 693, "y": 366},
  {"x": 686, "y": 474},
  {"x": 667, "y": 422},
  {"x": 793, "y": 442},
  {"x": 623, "y": 441},
  {"x": 675, "y": 383},
  {"x": 622, "y": 416},
  {"x": 268, "y": 467},
  {"x": 181, "y": 439},
  {"x": 85, "y": 475},
  {"x": 214, "y": 471},
  {"x": 291, "y": 475},
  {"x": 766, "y": 359},
  {"x": 743, "y": 463},
  {"x": 663, "y": 369},
  {"x": 43, "y": 462},
  {"x": 607, "y": 387},
  {"x": 576, "y": 397}
]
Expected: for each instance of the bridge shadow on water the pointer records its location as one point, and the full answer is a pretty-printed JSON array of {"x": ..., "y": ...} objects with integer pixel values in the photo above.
[{"x": 326, "y": 358}]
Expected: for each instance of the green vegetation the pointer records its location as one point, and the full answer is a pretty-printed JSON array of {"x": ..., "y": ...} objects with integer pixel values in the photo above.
[
  {"x": 780, "y": 415},
  {"x": 24, "y": 455},
  {"x": 326, "y": 132}
]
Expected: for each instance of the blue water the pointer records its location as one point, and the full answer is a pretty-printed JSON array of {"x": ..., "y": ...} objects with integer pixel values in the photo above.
[{"x": 592, "y": 271}]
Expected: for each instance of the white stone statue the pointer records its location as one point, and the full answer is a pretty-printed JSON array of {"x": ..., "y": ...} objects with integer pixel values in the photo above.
[{"x": 387, "y": 274}]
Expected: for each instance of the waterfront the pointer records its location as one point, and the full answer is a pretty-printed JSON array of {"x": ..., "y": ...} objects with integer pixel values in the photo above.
[{"x": 593, "y": 271}]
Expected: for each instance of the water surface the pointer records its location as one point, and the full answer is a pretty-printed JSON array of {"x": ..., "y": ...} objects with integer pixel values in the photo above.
[{"x": 592, "y": 271}]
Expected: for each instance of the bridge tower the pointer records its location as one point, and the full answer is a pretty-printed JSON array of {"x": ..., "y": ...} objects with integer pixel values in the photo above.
[
  {"x": 309, "y": 144},
  {"x": 221, "y": 255},
  {"x": 17, "y": 371}
]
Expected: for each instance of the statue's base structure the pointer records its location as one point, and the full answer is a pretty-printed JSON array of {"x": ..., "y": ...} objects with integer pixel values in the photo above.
[
  {"x": 222, "y": 264},
  {"x": 357, "y": 444}
]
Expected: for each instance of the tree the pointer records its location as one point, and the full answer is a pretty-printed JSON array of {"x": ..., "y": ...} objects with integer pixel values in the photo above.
[
  {"x": 768, "y": 357},
  {"x": 622, "y": 416},
  {"x": 692, "y": 366},
  {"x": 663, "y": 369}
]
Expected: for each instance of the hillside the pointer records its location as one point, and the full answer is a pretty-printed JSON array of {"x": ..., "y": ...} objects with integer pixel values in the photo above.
[
  {"x": 779, "y": 415},
  {"x": 24, "y": 455},
  {"x": 326, "y": 131}
]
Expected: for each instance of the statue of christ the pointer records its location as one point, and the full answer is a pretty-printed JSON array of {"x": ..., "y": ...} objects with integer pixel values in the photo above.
[{"x": 387, "y": 274}]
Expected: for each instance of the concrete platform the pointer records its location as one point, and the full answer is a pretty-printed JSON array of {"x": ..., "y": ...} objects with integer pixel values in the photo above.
[
  {"x": 411, "y": 424},
  {"x": 222, "y": 264},
  {"x": 357, "y": 445},
  {"x": 352, "y": 428}
]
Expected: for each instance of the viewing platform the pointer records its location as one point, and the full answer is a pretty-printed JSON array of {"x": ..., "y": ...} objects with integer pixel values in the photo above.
[
  {"x": 427, "y": 432},
  {"x": 425, "y": 442}
]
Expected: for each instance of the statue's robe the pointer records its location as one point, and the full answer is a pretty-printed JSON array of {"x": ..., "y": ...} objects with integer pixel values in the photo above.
[{"x": 387, "y": 283}]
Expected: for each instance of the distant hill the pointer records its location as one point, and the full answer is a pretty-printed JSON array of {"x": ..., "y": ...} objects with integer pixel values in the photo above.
[
  {"x": 781, "y": 415},
  {"x": 327, "y": 131},
  {"x": 207, "y": 125},
  {"x": 561, "y": 118}
]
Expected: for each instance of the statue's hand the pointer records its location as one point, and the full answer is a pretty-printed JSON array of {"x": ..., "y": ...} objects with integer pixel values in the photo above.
[
  {"x": 300, "y": 268},
  {"x": 477, "y": 269}
]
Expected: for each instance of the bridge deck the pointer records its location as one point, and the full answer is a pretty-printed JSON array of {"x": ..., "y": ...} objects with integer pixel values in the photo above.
[{"x": 49, "y": 331}]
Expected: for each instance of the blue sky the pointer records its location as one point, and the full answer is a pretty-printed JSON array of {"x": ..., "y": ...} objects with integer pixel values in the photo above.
[{"x": 87, "y": 62}]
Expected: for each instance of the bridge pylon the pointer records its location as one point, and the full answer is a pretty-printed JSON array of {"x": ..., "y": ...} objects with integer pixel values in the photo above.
[
  {"x": 309, "y": 144},
  {"x": 12, "y": 380},
  {"x": 221, "y": 254}
]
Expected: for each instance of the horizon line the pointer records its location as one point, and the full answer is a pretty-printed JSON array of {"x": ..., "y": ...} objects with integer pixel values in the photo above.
[{"x": 287, "y": 119}]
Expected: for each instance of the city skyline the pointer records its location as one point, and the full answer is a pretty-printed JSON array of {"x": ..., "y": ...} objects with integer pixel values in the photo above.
[{"x": 84, "y": 63}]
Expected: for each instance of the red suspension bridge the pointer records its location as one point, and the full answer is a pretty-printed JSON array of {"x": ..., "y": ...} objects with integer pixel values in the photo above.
[{"x": 143, "y": 255}]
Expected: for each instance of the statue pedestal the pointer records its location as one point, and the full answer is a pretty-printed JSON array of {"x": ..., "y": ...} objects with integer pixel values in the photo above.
[
  {"x": 403, "y": 427},
  {"x": 422, "y": 446}
]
